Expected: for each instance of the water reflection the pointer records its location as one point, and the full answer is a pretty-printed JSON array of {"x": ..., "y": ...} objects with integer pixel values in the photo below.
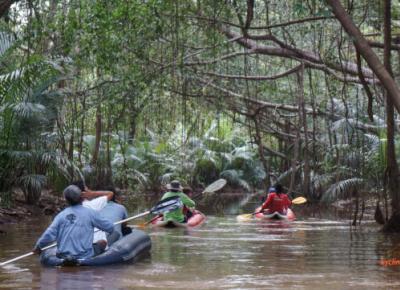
[
  {"x": 78, "y": 278},
  {"x": 224, "y": 254}
]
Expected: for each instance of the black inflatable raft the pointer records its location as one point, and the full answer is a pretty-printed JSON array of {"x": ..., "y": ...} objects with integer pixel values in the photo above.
[{"x": 130, "y": 247}]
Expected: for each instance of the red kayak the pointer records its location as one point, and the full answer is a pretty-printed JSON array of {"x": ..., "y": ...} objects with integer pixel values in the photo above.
[
  {"x": 195, "y": 220},
  {"x": 275, "y": 215}
]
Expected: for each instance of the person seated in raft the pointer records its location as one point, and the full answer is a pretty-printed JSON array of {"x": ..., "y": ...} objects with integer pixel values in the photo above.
[
  {"x": 73, "y": 228},
  {"x": 115, "y": 212},
  {"x": 277, "y": 201},
  {"x": 265, "y": 197},
  {"x": 175, "y": 189},
  {"x": 97, "y": 200},
  {"x": 186, "y": 210}
]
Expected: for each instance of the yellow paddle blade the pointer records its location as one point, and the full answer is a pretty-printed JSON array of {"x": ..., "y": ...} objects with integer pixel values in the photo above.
[
  {"x": 244, "y": 217},
  {"x": 299, "y": 200}
]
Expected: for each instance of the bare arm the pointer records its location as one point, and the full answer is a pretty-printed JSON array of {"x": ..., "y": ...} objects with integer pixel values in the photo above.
[{"x": 89, "y": 194}]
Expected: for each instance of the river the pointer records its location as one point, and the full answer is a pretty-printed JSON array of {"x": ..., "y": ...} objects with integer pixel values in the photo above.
[{"x": 309, "y": 253}]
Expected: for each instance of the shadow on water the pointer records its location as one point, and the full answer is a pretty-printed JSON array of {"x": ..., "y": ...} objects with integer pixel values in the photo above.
[{"x": 313, "y": 252}]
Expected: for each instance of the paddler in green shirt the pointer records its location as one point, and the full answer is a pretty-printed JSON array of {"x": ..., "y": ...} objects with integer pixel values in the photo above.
[{"x": 175, "y": 189}]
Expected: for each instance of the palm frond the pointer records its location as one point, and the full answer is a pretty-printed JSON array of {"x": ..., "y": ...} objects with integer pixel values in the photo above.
[
  {"x": 208, "y": 133},
  {"x": 6, "y": 41},
  {"x": 244, "y": 152},
  {"x": 342, "y": 189},
  {"x": 27, "y": 109},
  {"x": 35, "y": 181},
  {"x": 244, "y": 184},
  {"x": 285, "y": 176},
  {"x": 12, "y": 76},
  {"x": 321, "y": 181},
  {"x": 235, "y": 177},
  {"x": 195, "y": 143},
  {"x": 231, "y": 175},
  {"x": 140, "y": 177}
]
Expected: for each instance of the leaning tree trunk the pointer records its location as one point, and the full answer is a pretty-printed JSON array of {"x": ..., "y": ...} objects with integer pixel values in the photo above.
[
  {"x": 366, "y": 51},
  {"x": 392, "y": 172}
]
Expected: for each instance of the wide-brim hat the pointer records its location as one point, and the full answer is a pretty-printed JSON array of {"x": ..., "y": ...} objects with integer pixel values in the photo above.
[{"x": 175, "y": 185}]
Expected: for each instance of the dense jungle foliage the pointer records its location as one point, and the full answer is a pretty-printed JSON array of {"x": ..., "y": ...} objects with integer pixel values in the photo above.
[{"x": 137, "y": 92}]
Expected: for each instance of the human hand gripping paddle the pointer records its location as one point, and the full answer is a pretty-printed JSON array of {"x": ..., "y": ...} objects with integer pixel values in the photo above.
[
  {"x": 164, "y": 206},
  {"x": 211, "y": 188},
  {"x": 248, "y": 216}
]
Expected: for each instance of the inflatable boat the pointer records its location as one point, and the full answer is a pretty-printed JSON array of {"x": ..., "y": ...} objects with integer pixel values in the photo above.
[
  {"x": 195, "y": 220},
  {"x": 131, "y": 247},
  {"x": 275, "y": 215}
]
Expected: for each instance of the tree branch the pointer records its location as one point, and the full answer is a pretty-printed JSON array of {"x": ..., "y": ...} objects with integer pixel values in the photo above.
[
  {"x": 254, "y": 78},
  {"x": 5, "y": 5},
  {"x": 287, "y": 51},
  {"x": 368, "y": 54}
]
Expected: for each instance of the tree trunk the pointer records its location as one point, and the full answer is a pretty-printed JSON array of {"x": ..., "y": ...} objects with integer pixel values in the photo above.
[
  {"x": 61, "y": 121},
  {"x": 98, "y": 136},
  {"x": 392, "y": 166},
  {"x": 132, "y": 114},
  {"x": 355, "y": 194},
  {"x": 303, "y": 123},
  {"x": 72, "y": 139},
  {"x": 264, "y": 162},
  {"x": 295, "y": 159},
  {"x": 109, "y": 130},
  {"x": 366, "y": 51},
  {"x": 80, "y": 145}
]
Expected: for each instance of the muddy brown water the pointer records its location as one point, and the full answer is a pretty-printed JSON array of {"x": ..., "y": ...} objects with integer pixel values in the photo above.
[{"x": 309, "y": 253}]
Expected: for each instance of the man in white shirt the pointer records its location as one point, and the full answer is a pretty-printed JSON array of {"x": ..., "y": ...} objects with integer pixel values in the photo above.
[{"x": 96, "y": 200}]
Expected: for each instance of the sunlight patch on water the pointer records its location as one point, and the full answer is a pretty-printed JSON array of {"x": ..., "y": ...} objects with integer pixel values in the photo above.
[
  {"x": 323, "y": 222},
  {"x": 158, "y": 268},
  {"x": 323, "y": 228},
  {"x": 169, "y": 284},
  {"x": 260, "y": 238},
  {"x": 217, "y": 229},
  {"x": 14, "y": 269}
]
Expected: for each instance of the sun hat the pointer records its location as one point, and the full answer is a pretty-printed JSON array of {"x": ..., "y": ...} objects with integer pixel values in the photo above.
[{"x": 174, "y": 185}]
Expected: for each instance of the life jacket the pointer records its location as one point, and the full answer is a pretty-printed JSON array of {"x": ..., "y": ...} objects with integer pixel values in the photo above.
[{"x": 277, "y": 203}]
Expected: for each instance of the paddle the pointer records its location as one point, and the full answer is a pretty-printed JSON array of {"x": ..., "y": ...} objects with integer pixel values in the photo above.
[
  {"x": 247, "y": 216},
  {"x": 165, "y": 205},
  {"x": 143, "y": 225},
  {"x": 215, "y": 186},
  {"x": 299, "y": 200}
]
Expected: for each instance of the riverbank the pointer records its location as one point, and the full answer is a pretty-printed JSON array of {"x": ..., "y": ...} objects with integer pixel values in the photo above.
[
  {"x": 230, "y": 202},
  {"x": 50, "y": 203}
]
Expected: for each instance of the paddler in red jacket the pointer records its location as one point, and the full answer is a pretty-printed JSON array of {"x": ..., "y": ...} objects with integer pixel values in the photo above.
[{"x": 277, "y": 201}]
